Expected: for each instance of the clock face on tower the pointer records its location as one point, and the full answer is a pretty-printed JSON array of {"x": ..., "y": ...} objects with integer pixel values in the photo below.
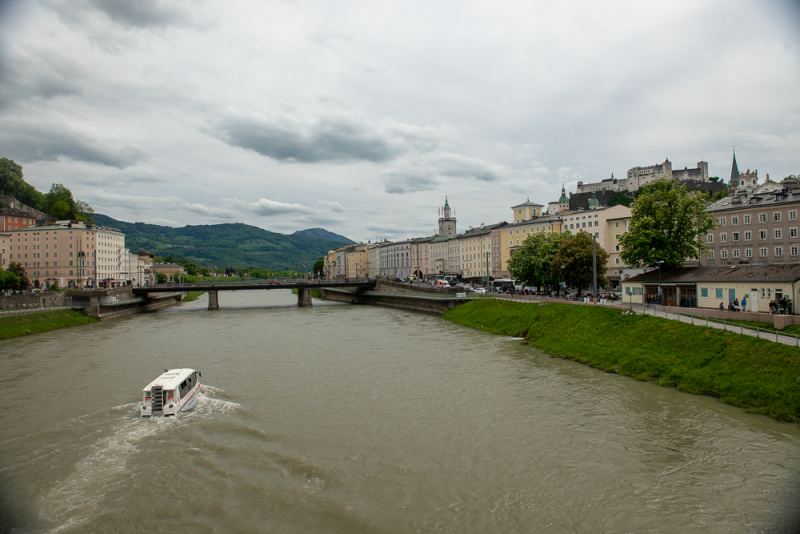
[{"x": 449, "y": 228}]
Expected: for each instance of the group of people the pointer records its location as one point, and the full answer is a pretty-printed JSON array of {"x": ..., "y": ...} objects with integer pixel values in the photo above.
[
  {"x": 653, "y": 299},
  {"x": 734, "y": 305},
  {"x": 781, "y": 306}
]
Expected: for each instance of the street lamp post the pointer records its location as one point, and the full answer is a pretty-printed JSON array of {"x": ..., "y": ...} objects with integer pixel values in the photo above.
[{"x": 594, "y": 270}]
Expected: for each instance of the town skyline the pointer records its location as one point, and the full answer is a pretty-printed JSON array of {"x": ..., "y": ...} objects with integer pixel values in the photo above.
[{"x": 361, "y": 119}]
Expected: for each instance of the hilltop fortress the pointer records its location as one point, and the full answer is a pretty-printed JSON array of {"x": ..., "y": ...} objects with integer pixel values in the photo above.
[{"x": 641, "y": 176}]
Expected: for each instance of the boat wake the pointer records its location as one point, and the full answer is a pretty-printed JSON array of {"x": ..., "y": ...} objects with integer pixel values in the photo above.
[
  {"x": 83, "y": 494},
  {"x": 78, "y": 498}
]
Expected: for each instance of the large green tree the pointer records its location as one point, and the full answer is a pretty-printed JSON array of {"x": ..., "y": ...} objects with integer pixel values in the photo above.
[
  {"x": 12, "y": 183},
  {"x": 667, "y": 223},
  {"x": 573, "y": 262},
  {"x": 22, "y": 283},
  {"x": 8, "y": 280},
  {"x": 60, "y": 204},
  {"x": 319, "y": 265},
  {"x": 532, "y": 262}
]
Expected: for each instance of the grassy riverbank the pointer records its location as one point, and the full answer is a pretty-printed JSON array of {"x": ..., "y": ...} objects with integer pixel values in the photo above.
[
  {"x": 36, "y": 323},
  {"x": 755, "y": 374},
  {"x": 192, "y": 295}
]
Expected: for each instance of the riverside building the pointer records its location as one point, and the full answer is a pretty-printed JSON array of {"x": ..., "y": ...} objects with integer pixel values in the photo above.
[{"x": 70, "y": 254}]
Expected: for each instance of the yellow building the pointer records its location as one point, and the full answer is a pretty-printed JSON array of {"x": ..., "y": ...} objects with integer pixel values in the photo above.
[
  {"x": 509, "y": 238},
  {"x": 355, "y": 262},
  {"x": 526, "y": 211},
  {"x": 475, "y": 251}
]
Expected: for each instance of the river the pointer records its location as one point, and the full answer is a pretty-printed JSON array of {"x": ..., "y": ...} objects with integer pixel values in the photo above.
[{"x": 355, "y": 419}]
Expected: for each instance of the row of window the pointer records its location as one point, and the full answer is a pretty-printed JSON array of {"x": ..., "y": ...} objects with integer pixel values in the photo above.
[
  {"x": 582, "y": 225},
  {"x": 762, "y": 217},
  {"x": 532, "y": 229},
  {"x": 766, "y": 292},
  {"x": 748, "y": 236},
  {"x": 762, "y": 252},
  {"x": 55, "y": 264}
]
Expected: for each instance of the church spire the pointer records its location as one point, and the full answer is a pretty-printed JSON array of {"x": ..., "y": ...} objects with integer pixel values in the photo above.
[
  {"x": 563, "y": 199},
  {"x": 734, "y": 169}
]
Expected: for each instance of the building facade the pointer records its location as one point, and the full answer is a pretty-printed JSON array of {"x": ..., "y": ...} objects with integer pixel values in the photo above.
[
  {"x": 420, "y": 257},
  {"x": 509, "y": 237},
  {"x": 761, "y": 228},
  {"x": 70, "y": 254},
  {"x": 14, "y": 219},
  {"x": 475, "y": 251},
  {"x": 711, "y": 286},
  {"x": 439, "y": 248},
  {"x": 395, "y": 260}
]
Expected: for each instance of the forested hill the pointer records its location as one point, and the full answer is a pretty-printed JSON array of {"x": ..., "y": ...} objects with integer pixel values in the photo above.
[
  {"x": 321, "y": 233},
  {"x": 222, "y": 245}
]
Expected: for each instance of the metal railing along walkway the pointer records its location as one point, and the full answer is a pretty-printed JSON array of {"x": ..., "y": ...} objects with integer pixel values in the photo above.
[{"x": 673, "y": 314}]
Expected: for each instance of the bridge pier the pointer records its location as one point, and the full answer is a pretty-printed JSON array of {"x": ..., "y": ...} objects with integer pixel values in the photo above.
[
  {"x": 213, "y": 300},
  {"x": 304, "y": 297}
]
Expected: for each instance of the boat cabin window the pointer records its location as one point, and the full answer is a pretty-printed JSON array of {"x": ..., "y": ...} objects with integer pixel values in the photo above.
[{"x": 187, "y": 385}]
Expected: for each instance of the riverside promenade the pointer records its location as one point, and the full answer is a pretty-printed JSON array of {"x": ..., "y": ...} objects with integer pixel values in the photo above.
[{"x": 684, "y": 315}]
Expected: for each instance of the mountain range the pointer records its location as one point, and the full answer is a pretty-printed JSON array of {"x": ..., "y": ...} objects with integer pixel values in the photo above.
[{"x": 228, "y": 245}]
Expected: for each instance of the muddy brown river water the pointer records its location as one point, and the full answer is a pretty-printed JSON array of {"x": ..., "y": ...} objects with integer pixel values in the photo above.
[{"x": 348, "y": 419}]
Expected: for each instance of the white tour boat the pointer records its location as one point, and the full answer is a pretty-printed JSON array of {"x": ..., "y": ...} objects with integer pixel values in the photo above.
[{"x": 174, "y": 391}]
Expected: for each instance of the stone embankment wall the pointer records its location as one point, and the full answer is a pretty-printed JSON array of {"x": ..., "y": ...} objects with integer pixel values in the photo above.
[
  {"x": 91, "y": 302},
  {"x": 45, "y": 299},
  {"x": 398, "y": 295},
  {"x": 408, "y": 289}
]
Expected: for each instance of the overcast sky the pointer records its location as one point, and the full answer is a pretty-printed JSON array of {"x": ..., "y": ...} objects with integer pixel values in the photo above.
[{"x": 360, "y": 116}]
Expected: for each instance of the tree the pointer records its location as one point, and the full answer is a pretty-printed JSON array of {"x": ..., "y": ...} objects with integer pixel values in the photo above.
[
  {"x": 666, "y": 225},
  {"x": 574, "y": 261},
  {"x": 22, "y": 283},
  {"x": 319, "y": 265},
  {"x": 161, "y": 278},
  {"x": 532, "y": 262},
  {"x": 620, "y": 198},
  {"x": 720, "y": 194},
  {"x": 12, "y": 183}
]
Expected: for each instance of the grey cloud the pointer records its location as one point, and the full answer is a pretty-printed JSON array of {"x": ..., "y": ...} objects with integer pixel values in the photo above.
[
  {"x": 338, "y": 139},
  {"x": 102, "y": 200},
  {"x": 44, "y": 74},
  {"x": 30, "y": 141},
  {"x": 425, "y": 174},
  {"x": 132, "y": 14},
  {"x": 326, "y": 141},
  {"x": 268, "y": 208},
  {"x": 331, "y": 206},
  {"x": 398, "y": 182},
  {"x": 141, "y": 13}
]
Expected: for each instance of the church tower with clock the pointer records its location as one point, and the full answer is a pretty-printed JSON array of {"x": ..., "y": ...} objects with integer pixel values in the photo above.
[{"x": 447, "y": 223}]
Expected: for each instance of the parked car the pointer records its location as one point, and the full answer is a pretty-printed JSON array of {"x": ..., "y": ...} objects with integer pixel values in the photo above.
[{"x": 479, "y": 291}]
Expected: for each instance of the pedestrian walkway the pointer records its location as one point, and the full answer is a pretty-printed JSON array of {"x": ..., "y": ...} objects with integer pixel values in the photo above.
[
  {"x": 26, "y": 311},
  {"x": 767, "y": 333}
]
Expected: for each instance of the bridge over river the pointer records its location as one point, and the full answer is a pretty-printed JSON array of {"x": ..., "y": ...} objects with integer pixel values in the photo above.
[{"x": 303, "y": 287}]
